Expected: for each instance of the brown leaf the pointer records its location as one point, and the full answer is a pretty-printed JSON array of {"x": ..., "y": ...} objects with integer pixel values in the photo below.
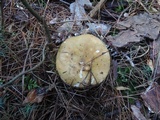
[
  {"x": 124, "y": 37},
  {"x": 143, "y": 25},
  {"x": 35, "y": 96},
  {"x": 152, "y": 98}
]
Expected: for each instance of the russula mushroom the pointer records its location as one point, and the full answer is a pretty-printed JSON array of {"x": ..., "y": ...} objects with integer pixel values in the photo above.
[{"x": 83, "y": 61}]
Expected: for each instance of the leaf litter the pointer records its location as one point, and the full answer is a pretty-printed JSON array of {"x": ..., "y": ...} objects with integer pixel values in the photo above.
[
  {"x": 103, "y": 102},
  {"x": 151, "y": 97},
  {"x": 79, "y": 15},
  {"x": 138, "y": 27},
  {"x": 78, "y": 11},
  {"x": 101, "y": 29}
]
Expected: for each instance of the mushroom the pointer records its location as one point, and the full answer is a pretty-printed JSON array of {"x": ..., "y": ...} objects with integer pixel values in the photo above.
[{"x": 82, "y": 61}]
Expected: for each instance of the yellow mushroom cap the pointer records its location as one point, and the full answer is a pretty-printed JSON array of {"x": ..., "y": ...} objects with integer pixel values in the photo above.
[{"x": 83, "y": 61}]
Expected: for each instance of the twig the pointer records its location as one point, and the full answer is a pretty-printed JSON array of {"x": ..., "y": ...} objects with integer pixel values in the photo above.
[
  {"x": 42, "y": 21},
  {"x": 139, "y": 1},
  {"x": 33, "y": 12},
  {"x": 129, "y": 59},
  {"x": 25, "y": 61},
  {"x": 96, "y": 8},
  {"x": 146, "y": 51},
  {"x": 22, "y": 73},
  {"x": 67, "y": 3},
  {"x": 45, "y": 7}
]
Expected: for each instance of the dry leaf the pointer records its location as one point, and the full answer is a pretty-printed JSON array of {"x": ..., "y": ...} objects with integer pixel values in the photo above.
[
  {"x": 124, "y": 37},
  {"x": 137, "y": 115},
  {"x": 78, "y": 11},
  {"x": 152, "y": 98},
  {"x": 102, "y": 29},
  {"x": 143, "y": 25},
  {"x": 67, "y": 26},
  {"x": 35, "y": 96}
]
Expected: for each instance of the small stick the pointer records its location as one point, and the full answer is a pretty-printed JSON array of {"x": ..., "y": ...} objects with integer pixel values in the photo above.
[
  {"x": 25, "y": 61},
  {"x": 96, "y": 8},
  {"x": 67, "y": 3},
  {"x": 129, "y": 59}
]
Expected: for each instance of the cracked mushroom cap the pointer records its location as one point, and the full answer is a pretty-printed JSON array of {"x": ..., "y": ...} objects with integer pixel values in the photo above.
[{"x": 83, "y": 61}]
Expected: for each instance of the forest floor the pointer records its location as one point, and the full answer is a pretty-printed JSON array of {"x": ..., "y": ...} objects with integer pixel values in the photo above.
[{"x": 30, "y": 86}]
